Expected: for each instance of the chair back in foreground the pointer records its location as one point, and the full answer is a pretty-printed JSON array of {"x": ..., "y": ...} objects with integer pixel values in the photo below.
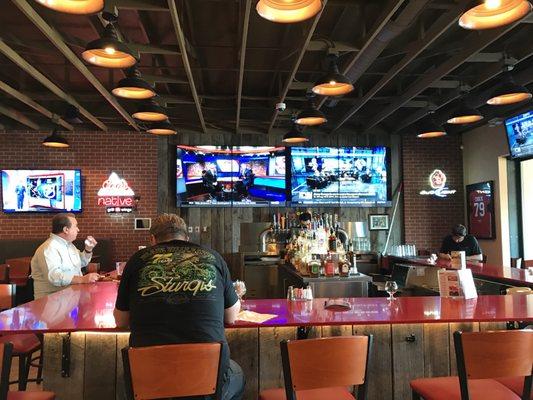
[
  {"x": 325, "y": 363},
  {"x": 176, "y": 370},
  {"x": 7, "y": 295},
  {"x": 5, "y": 358},
  {"x": 494, "y": 354},
  {"x": 4, "y": 273}
]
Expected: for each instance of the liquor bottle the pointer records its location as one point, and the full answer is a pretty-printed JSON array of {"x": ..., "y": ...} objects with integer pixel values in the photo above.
[
  {"x": 332, "y": 241},
  {"x": 314, "y": 267},
  {"x": 330, "y": 266},
  {"x": 344, "y": 268}
]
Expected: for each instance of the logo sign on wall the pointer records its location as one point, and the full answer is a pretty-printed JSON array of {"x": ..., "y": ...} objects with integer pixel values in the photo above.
[
  {"x": 116, "y": 195},
  {"x": 437, "y": 181}
]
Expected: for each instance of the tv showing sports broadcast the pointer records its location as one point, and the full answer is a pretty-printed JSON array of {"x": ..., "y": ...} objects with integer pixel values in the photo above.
[
  {"x": 230, "y": 176},
  {"x": 520, "y": 135},
  {"x": 41, "y": 191},
  {"x": 345, "y": 176}
]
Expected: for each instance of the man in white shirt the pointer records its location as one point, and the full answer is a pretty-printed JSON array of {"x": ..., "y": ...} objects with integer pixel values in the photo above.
[{"x": 57, "y": 263}]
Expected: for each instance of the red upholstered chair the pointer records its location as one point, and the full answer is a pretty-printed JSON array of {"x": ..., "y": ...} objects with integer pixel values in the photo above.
[
  {"x": 19, "y": 270},
  {"x": 5, "y": 367},
  {"x": 4, "y": 273},
  {"x": 179, "y": 370},
  {"x": 485, "y": 362},
  {"x": 528, "y": 263},
  {"x": 319, "y": 369},
  {"x": 25, "y": 345}
]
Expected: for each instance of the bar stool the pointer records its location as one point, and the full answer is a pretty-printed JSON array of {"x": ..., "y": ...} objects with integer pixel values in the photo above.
[
  {"x": 25, "y": 345},
  {"x": 177, "y": 370},
  {"x": 318, "y": 369},
  {"x": 5, "y": 367},
  {"x": 482, "y": 359},
  {"x": 4, "y": 273}
]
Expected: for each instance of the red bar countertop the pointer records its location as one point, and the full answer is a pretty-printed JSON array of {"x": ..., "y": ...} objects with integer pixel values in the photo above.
[
  {"x": 90, "y": 308},
  {"x": 511, "y": 276}
]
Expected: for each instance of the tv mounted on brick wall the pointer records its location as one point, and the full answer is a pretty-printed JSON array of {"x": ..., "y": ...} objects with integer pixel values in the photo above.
[
  {"x": 520, "y": 135},
  {"x": 41, "y": 191}
]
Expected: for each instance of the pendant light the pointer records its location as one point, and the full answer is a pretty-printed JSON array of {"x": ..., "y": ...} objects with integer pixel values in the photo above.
[
  {"x": 55, "y": 140},
  {"x": 311, "y": 116},
  {"x": 430, "y": 129},
  {"x": 79, "y": 7},
  {"x": 509, "y": 92},
  {"x": 72, "y": 115},
  {"x": 495, "y": 13},
  {"x": 294, "y": 136},
  {"x": 288, "y": 11},
  {"x": 333, "y": 83},
  {"x": 150, "y": 111},
  {"x": 109, "y": 51},
  {"x": 465, "y": 115},
  {"x": 134, "y": 87},
  {"x": 162, "y": 128}
]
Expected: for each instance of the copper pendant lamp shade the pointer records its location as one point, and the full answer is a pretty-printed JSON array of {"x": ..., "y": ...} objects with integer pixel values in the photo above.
[
  {"x": 294, "y": 136},
  {"x": 288, "y": 11},
  {"x": 431, "y": 129},
  {"x": 109, "y": 52},
  {"x": 311, "y": 116},
  {"x": 333, "y": 83},
  {"x": 134, "y": 87},
  {"x": 162, "y": 128},
  {"x": 495, "y": 13},
  {"x": 150, "y": 111},
  {"x": 79, "y": 7},
  {"x": 55, "y": 140},
  {"x": 465, "y": 115},
  {"x": 509, "y": 93}
]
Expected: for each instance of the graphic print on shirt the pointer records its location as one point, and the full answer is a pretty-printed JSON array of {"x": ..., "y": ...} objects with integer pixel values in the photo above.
[{"x": 188, "y": 272}]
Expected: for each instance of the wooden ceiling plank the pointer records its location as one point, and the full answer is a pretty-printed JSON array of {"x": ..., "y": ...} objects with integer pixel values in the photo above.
[
  {"x": 19, "y": 117},
  {"x": 29, "y": 102},
  {"x": 242, "y": 53},
  {"x": 297, "y": 63},
  {"x": 413, "y": 51},
  {"x": 186, "y": 65},
  {"x": 141, "y": 5},
  {"x": 60, "y": 44},
  {"x": 32, "y": 71}
]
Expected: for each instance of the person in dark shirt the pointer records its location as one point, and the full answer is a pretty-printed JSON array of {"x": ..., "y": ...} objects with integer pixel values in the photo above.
[
  {"x": 460, "y": 241},
  {"x": 179, "y": 292}
]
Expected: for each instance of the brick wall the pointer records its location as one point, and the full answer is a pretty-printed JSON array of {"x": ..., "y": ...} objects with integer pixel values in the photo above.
[
  {"x": 428, "y": 218},
  {"x": 132, "y": 155}
]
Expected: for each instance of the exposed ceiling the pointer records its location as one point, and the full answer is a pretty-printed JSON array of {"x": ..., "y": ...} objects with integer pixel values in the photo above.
[{"x": 405, "y": 57}]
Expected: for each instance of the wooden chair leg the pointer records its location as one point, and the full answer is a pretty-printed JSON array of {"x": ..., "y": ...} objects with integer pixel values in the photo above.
[
  {"x": 23, "y": 372},
  {"x": 415, "y": 395}
]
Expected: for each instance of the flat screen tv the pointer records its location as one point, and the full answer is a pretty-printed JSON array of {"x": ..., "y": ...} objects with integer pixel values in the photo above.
[
  {"x": 344, "y": 176},
  {"x": 246, "y": 176},
  {"x": 41, "y": 190},
  {"x": 520, "y": 135}
]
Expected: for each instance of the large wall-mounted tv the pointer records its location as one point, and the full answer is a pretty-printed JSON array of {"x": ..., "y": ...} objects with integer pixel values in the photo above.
[
  {"x": 520, "y": 135},
  {"x": 41, "y": 190},
  {"x": 230, "y": 176},
  {"x": 344, "y": 176}
]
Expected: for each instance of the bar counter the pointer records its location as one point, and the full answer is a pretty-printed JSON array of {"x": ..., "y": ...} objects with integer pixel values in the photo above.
[{"x": 412, "y": 337}]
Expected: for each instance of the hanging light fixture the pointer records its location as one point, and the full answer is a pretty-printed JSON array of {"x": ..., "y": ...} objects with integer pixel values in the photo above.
[
  {"x": 134, "y": 86},
  {"x": 80, "y": 7},
  {"x": 162, "y": 128},
  {"x": 333, "y": 83},
  {"x": 494, "y": 13},
  {"x": 509, "y": 92},
  {"x": 55, "y": 140},
  {"x": 294, "y": 136},
  {"x": 150, "y": 111},
  {"x": 109, "y": 51},
  {"x": 310, "y": 116},
  {"x": 288, "y": 11},
  {"x": 430, "y": 129},
  {"x": 72, "y": 115},
  {"x": 465, "y": 115}
]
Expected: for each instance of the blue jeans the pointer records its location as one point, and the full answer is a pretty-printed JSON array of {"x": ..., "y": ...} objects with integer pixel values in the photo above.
[{"x": 233, "y": 386}]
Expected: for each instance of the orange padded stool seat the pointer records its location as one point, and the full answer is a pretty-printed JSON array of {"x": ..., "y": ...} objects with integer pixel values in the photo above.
[
  {"x": 30, "y": 396},
  {"x": 320, "y": 369},
  {"x": 22, "y": 342},
  {"x": 515, "y": 383}
]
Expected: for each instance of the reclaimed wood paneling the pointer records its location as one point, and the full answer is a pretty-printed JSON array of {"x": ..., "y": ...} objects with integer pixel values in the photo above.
[
  {"x": 436, "y": 350},
  {"x": 337, "y": 330},
  {"x": 122, "y": 341},
  {"x": 100, "y": 362},
  {"x": 271, "y": 375},
  {"x": 244, "y": 347},
  {"x": 465, "y": 327},
  {"x": 408, "y": 357},
  {"x": 492, "y": 326}
]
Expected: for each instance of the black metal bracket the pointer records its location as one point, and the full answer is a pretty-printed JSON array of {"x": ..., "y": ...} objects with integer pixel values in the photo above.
[
  {"x": 65, "y": 356},
  {"x": 302, "y": 332},
  {"x": 411, "y": 338}
]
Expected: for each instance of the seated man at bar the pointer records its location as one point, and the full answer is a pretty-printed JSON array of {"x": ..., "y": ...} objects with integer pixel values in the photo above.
[
  {"x": 57, "y": 262},
  {"x": 460, "y": 241},
  {"x": 179, "y": 292}
]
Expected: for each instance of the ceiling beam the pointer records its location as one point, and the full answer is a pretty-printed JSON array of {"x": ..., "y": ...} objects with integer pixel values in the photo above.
[
  {"x": 445, "y": 84},
  {"x": 185, "y": 58},
  {"x": 242, "y": 54},
  {"x": 19, "y": 117},
  {"x": 474, "y": 43},
  {"x": 38, "y": 76},
  {"x": 322, "y": 45},
  {"x": 141, "y": 5},
  {"x": 58, "y": 42},
  {"x": 413, "y": 50},
  {"x": 297, "y": 63},
  {"x": 485, "y": 57},
  {"x": 29, "y": 102},
  {"x": 165, "y": 79}
]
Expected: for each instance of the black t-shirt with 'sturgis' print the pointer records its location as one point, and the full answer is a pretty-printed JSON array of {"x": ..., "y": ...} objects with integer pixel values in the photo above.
[{"x": 176, "y": 292}]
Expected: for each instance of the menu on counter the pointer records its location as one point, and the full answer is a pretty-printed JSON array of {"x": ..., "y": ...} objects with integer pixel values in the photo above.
[
  {"x": 252, "y": 316},
  {"x": 457, "y": 283}
]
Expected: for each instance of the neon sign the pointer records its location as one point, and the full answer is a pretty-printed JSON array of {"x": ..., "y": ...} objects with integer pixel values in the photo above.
[
  {"x": 437, "y": 181},
  {"x": 116, "y": 195}
]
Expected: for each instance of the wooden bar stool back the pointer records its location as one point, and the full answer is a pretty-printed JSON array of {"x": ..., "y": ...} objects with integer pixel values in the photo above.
[
  {"x": 5, "y": 367},
  {"x": 4, "y": 273},
  {"x": 177, "y": 370},
  {"x": 323, "y": 368}
]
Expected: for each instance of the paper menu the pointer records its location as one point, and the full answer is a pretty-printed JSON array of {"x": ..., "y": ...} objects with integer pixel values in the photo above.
[
  {"x": 457, "y": 283},
  {"x": 458, "y": 259}
]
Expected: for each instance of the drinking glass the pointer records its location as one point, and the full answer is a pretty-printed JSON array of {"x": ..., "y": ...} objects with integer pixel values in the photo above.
[
  {"x": 119, "y": 266},
  {"x": 240, "y": 289},
  {"x": 391, "y": 287}
]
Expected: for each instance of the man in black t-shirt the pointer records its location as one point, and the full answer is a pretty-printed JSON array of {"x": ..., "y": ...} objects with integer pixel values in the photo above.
[
  {"x": 179, "y": 292},
  {"x": 460, "y": 241}
]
